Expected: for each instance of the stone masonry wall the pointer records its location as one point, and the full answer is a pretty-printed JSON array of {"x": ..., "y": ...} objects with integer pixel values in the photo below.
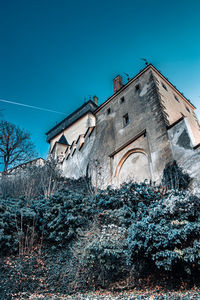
[
  {"x": 142, "y": 104},
  {"x": 133, "y": 138},
  {"x": 186, "y": 156}
]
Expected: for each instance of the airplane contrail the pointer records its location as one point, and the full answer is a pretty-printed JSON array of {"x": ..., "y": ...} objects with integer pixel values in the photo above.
[{"x": 31, "y": 106}]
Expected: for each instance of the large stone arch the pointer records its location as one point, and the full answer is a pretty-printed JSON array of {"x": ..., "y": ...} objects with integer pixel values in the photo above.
[{"x": 134, "y": 165}]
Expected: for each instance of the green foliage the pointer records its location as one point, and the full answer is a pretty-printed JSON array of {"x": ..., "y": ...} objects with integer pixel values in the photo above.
[
  {"x": 100, "y": 251},
  {"x": 66, "y": 212},
  {"x": 174, "y": 177},
  {"x": 129, "y": 194},
  {"x": 167, "y": 233},
  {"x": 118, "y": 231},
  {"x": 7, "y": 228},
  {"x": 55, "y": 219},
  {"x": 17, "y": 226}
]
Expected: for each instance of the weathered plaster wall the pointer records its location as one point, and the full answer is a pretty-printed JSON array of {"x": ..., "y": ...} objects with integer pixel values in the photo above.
[
  {"x": 59, "y": 151},
  {"x": 132, "y": 163},
  {"x": 76, "y": 165},
  {"x": 116, "y": 152},
  {"x": 183, "y": 152},
  {"x": 143, "y": 108},
  {"x": 72, "y": 133},
  {"x": 175, "y": 106}
]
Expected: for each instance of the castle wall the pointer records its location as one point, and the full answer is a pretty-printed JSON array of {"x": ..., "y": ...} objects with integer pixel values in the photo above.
[
  {"x": 76, "y": 165},
  {"x": 144, "y": 112},
  {"x": 79, "y": 127},
  {"x": 132, "y": 162},
  {"x": 187, "y": 157},
  {"x": 59, "y": 151},
  {"x": 175, "y": 107},
  {"x": 135, "y": 135}
]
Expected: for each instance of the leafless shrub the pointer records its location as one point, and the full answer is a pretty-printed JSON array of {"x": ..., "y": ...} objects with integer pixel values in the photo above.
[{"x": 31, "y": 182}]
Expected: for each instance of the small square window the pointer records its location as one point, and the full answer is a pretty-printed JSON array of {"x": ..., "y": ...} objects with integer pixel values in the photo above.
[
  {"x": 176, "y": 98},
  {"x": 122, "y": 100},
  {"x": 164, "y": 86},
  {"x": 108, "y": 111},
  {"x": 126, "y": 120},
  {"x": 137, "y": 87}
]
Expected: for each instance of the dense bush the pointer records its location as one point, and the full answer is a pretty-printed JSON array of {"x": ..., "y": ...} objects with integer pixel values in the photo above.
[
  {"x": 174, "y": 177},
  {"x": 96, "y": 239},
  {"x": 55, "y": 219},
  {"x": 18, "y": 226},
  {"x": 166, "y": 233},
  {"x": 101, "y": 254},
  {"x": 66, "y": 211}
]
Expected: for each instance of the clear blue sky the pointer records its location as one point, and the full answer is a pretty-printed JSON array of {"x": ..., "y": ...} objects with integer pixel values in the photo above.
[{"x": 53, "y": 53}]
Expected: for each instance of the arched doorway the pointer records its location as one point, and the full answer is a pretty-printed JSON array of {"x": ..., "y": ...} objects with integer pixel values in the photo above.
[{"x": 133, "y": 166}]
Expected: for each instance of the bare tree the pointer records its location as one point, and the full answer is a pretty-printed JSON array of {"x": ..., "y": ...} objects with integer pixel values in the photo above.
[{"x": 15, "y": 145}]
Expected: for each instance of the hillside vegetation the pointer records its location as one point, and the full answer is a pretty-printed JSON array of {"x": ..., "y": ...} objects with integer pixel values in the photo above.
[{"x": 73, "y": 240}]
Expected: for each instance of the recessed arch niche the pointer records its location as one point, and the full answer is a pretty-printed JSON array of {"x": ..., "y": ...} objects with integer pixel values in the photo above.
[{"x": 133, "y": 166}]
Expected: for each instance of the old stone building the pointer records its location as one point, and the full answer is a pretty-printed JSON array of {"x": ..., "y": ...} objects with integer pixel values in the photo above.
[{"x": 144, "y": 125}]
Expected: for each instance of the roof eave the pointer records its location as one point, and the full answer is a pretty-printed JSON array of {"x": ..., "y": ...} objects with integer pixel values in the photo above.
[{"x": 70, "y": 115}]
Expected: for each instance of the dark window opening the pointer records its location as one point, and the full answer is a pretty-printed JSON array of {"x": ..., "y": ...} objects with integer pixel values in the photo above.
[
  {"x": 176, "y": 98},
  {"x": 108, "y": 111},
  {"x": 164, "y": 86},
  {"x": 165, "y": 113},
  {"x": 122, "y": 100},
  {"x": 187, "y": 109},
  {"x": 126, "y": 120},
  {"x": 137, "y": 87}
]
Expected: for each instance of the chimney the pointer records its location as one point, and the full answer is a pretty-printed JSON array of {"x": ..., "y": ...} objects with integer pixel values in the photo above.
[
  {"x": 117, "y": 83},
  {"x": 95, "y": 100}
]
